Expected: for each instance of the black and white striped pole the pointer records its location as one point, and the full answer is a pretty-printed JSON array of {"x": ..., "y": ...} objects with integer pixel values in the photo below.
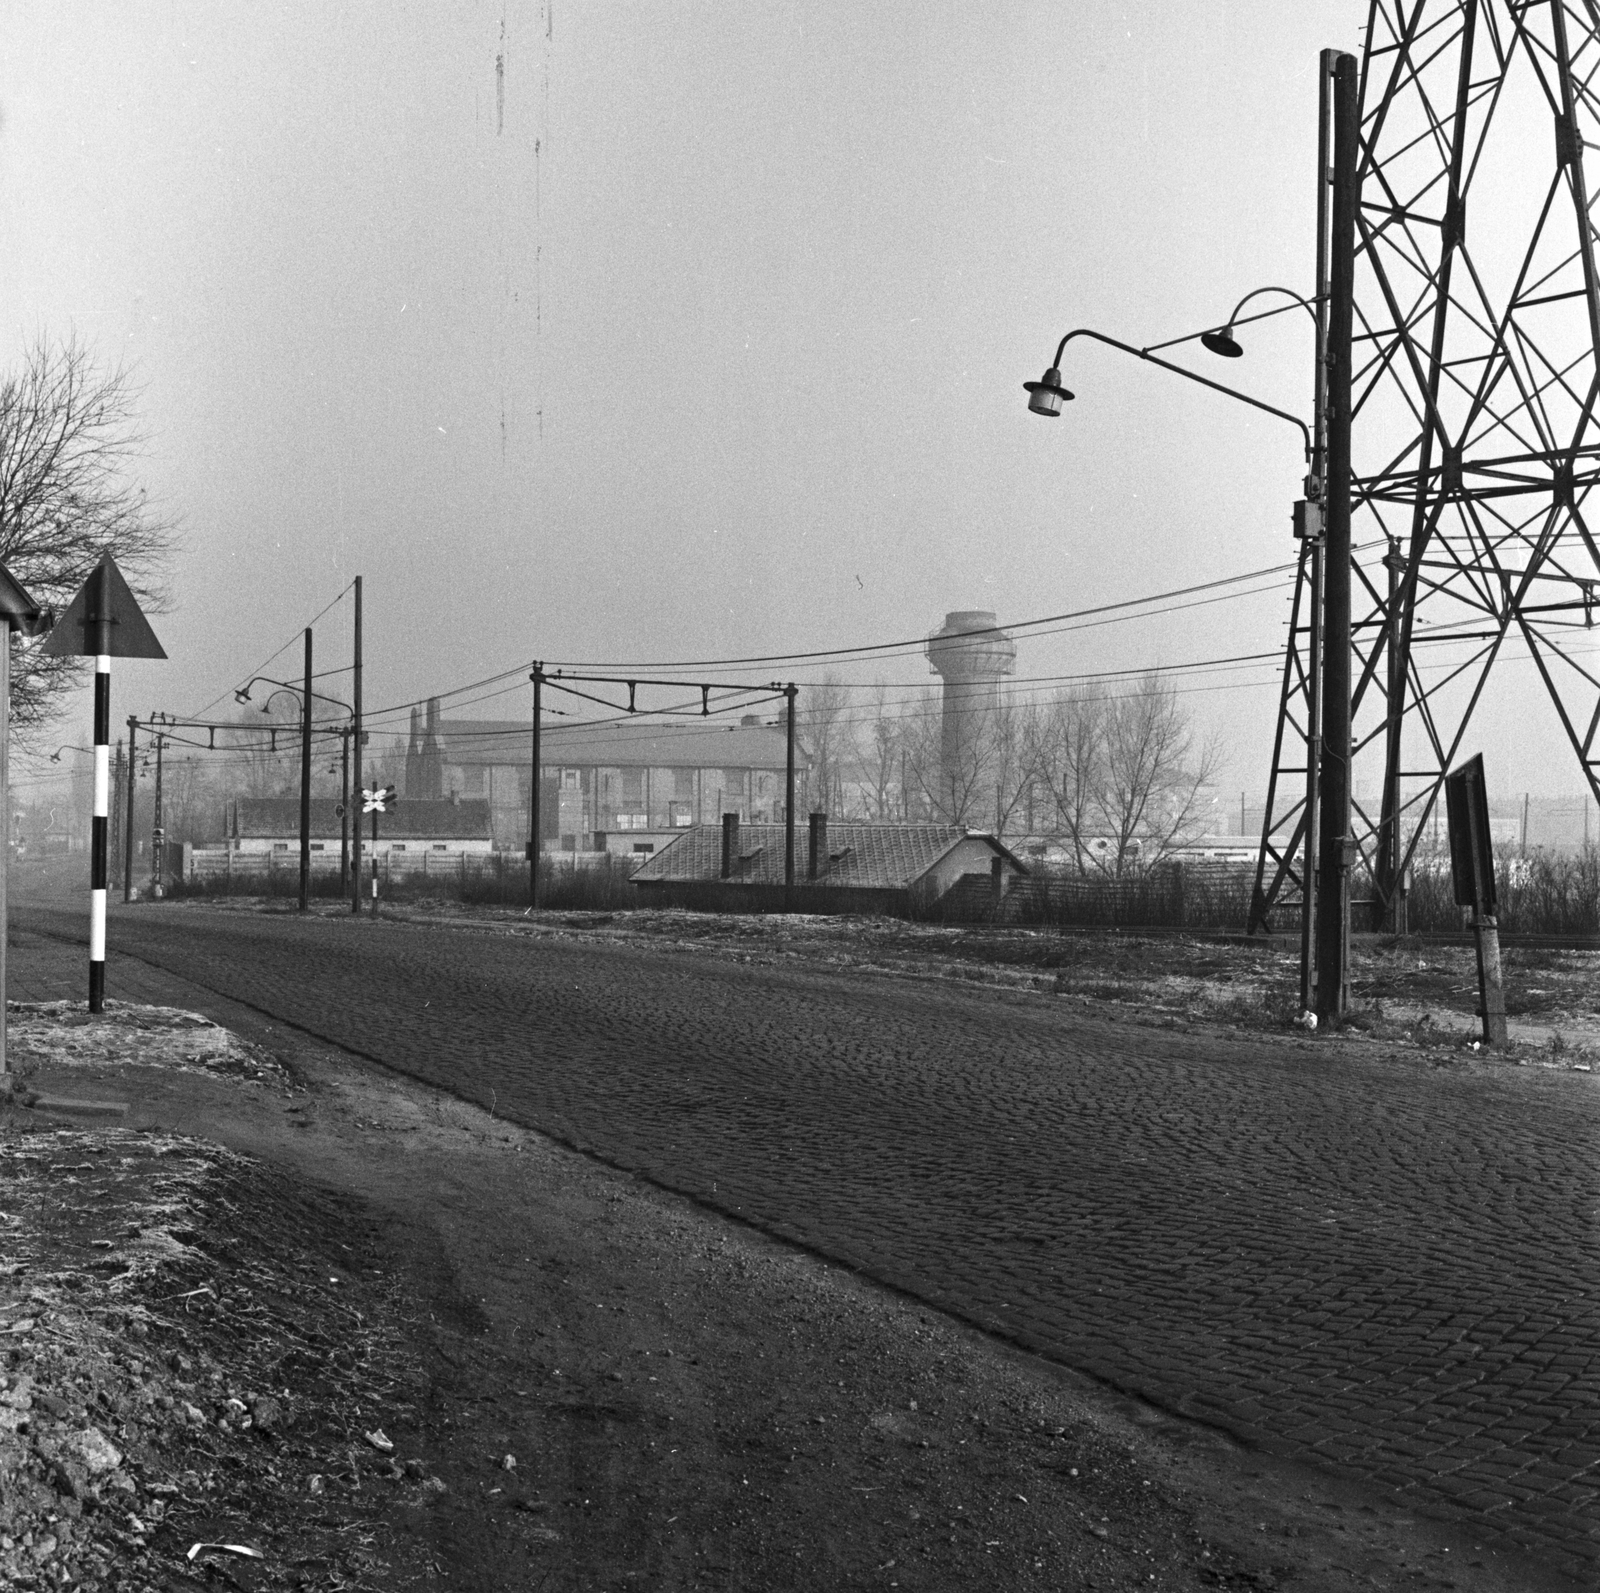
[
  {"x": 104, "y": 621},
  {"x": 20, "y": 613},
  {"x": 101, "y": 823}
]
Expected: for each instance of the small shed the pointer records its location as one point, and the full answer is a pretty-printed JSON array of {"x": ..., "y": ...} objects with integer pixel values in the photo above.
[{"x": 847, "y": 866}]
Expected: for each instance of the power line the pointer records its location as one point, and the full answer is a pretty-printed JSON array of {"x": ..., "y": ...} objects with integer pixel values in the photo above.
[{"x": 917, "y": 643}]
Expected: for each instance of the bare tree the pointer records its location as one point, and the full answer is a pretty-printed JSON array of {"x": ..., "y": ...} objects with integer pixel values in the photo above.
[
  {"x": 1153, "y": 775},
  {"x": 818, "y": 720},
  {"x": 1070, "y": 764},
  {"x": 68, "y": 437},
  {"x": 1010, "y": 737},
  {"x": 878, "y": 745}
]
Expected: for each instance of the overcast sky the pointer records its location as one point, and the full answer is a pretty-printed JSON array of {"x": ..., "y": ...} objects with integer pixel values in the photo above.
[{"x": 673, "y": 331}]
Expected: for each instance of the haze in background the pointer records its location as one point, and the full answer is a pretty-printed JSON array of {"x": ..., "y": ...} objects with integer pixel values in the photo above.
[{"x": 637, "y": 333}]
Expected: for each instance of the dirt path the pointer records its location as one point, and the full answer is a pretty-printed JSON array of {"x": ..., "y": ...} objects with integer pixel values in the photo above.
[{"x": 691, "y": 1405}]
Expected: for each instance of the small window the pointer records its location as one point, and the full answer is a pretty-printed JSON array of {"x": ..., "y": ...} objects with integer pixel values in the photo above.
[
  {"x": 280, "y": 846},
  {"x": 439, "y": 846},
  {"x": 318, "y": 846},
  {"x": 646, "y": 847},
  {"x": 397, "y": 846}
]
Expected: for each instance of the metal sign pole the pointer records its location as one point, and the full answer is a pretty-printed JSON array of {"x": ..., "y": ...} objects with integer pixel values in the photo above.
[
  {"x": 374, "y": 801},
  {"x": 104, "y": 621},
  {"x": 102, "y": 771}
]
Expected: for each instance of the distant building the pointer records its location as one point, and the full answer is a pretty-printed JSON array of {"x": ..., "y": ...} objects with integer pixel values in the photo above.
[
  {"x": 258, "y": 825},
  {"x": 625, "y": 787}
]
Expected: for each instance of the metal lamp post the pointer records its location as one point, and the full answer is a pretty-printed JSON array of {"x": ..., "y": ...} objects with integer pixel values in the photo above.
[
  {"x": 1323, "y": 519},
  {"x": 303, "y": 695}
]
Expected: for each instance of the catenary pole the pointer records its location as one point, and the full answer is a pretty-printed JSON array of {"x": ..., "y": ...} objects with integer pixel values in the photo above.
[
  {"x": 1333, "y": 894},
  {"x": 305, "y": 785},
  {"x": 535, "y": 818},
  {"x": 355, "y": 885},
  {"x": 344, "y": 808},
  {"x": 118, "y": 796},
  {"x": 790, "y": 692},
  {"x": 127, "y": 841},
  {"x": 158, "y": 831},
  {"x": 100, "y": 614}
]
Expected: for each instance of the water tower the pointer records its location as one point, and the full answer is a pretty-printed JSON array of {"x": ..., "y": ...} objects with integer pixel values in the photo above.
[{"x": 973, "y": 655}]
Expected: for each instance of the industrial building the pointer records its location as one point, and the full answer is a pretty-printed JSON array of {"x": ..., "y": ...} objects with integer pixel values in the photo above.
[{"x": 628, "y": 787}]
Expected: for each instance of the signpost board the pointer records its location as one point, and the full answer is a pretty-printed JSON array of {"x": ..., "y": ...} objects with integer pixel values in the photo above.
[
  {"x": 1472, "y": 871},
  {"x": 104, "y": 621}
]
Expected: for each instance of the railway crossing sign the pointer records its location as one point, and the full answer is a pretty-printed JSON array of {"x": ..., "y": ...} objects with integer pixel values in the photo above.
[{"x": 376, "y": 800}]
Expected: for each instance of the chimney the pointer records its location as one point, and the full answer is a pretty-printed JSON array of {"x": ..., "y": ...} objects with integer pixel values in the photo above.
[
  {"x": 818, "y": 865},
  {"x": 730, "y": 844}
]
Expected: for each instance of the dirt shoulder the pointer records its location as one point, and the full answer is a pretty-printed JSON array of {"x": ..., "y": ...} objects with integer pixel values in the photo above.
[{"x": 326, "y": 1253}]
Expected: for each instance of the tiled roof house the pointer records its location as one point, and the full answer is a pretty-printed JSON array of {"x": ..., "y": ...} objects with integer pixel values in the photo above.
[{"x": 887, "y": 864}]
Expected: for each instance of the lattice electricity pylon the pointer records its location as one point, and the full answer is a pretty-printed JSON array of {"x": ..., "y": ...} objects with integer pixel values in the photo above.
[{"x": 1475, "y": 436}]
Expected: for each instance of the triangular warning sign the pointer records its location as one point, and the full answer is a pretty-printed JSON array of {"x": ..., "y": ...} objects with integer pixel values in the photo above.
[{"x": 104, "y": 596}]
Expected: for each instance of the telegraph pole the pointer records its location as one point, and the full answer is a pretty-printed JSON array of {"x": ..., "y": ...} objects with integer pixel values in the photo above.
[
  {"x": 127, "y": 842},
  {"x": 1333, "y": 884},
  {"x": 305, "y": 785},
  {"x": 534, "y": 817},
  {"x": 355, "y": 884}
]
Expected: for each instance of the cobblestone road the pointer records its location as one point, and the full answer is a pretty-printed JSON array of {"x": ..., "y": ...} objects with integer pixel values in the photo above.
[{"x": 1392, "y": 1267}]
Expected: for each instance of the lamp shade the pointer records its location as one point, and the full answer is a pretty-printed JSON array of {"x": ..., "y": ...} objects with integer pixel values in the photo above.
[
  {"x": 1222, "y": 343},
  {"x": 1046, "y": 396}
]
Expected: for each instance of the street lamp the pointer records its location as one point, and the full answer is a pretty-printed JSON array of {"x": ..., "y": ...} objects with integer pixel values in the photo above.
[
  {"x": 242, "y": 693},
  {"x": 1045, "y": 398},
  {"x": 1046, "y": 395},
  {"x": 303, "y": 695}
]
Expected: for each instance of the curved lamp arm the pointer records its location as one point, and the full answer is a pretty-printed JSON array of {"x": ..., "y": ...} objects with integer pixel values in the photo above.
[
  {"x": 1048, "y": 393},
  {"x": 1299, "y": 298},
  {"x": 242, "y": 693}
]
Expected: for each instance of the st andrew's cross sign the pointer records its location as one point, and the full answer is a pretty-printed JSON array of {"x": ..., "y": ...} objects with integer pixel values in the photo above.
[{"x": 376, "y": 800}]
